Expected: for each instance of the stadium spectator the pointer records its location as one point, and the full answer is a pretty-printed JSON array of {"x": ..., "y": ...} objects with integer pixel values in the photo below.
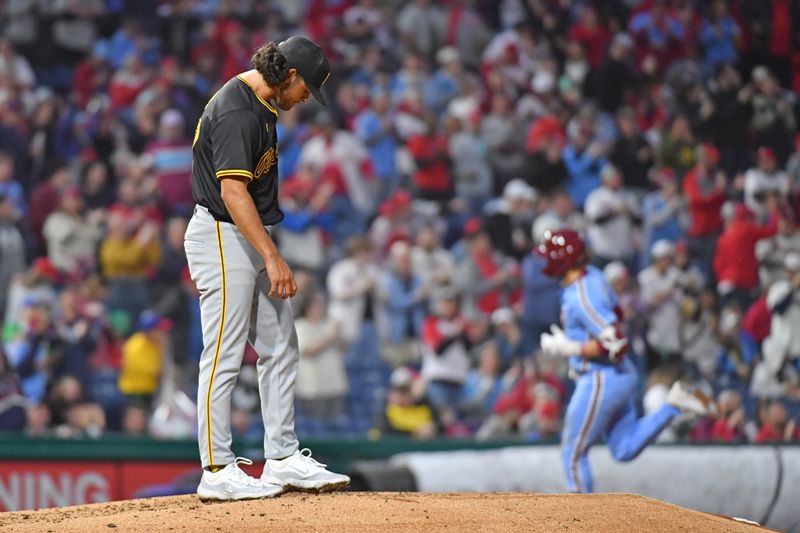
[
  {"x": 15, "y": 66},
  {"x": 755, "y": 328},
  {"x": 659, "y": 34},
  {"x": 772, "y": 121},
  {"x": 76, "y": 333},
  {"x": 445, "y": 355},
  {"x": 10, "y": 189},
  {"x": 507, "y": 336},
  {"x": 321, "y": 379},
  {"x": 308, "y": 221},
  {"x": 351, "y": 284},
  {"x": 699, "y": 333},
  {"x": 728, "y": 426},
  {"x": 782, "y": 346},
  {"x": 489, "y": 279},
  {"x": 769, "y": 379},
  {"x": 766, "y": 184},
  {"x": 394, "y": 222},
  {"x": 127, "y": 257},
  {"x": 173, "y": 256},
  {"x": 444, "y": 83},
  {"x": 340, "y": 152},
  {"x": 72, "y": 414},
  {"x": 509, "y": 226},
  {"x": 472, "y": 174},
  {"x": 96, "y": 185},
  {"x": 612, "y": 213},
  {"x": 541, "y": 295},
  {"x": 664, "y": 213},
  {"x": 12, "y": 248},
  {"x": 429, "y": 148},
  {"x": 431, "y": 262},
  {"x": 617, "y": 78},
  {"x": 546, "y": 138},
  {"x": 514, "y": 410},
  {"x": 618, "y": 277},
  {"x": 592, "y": 36},
  {"x": 773, "y": 251},
  {"x": 134, "y": 420},
  {"x": 410, "y": 118},
  {"x": 661, "y": 298},
  {"x": 128, "y": 82},
  {"x": 143, "y": 357},
  {"x": 705, "y": 189},
  {"x": 171, "y": 156},
  {"x": 12, "y": 402},
  {"x": 45, "y": 199},
  {"x": 719, "y": 36},
  {"x": 543, "y": 423},
  {"x": 34, "y": 350},
  {"x": 71, "y": 235},
  {"x": 420, "y": 25},
  {"x": 37, "y": 284},
  {"x": 558, "y": 211},
  {"x": 483, "y": 385},
  {"x": 500, "y": 130},
  {"x": 776, "y": 425},
  {"x": 735, "y": 264},
  {"x": 403, "y": 296},
  {"x": 375, "y": 128},
  {"x": 584, "y": 158},
  {"x": 691, "y": 277},
  {"x": 728, "y": 119},
  {"x": 677, "y": 150},
  {"x": 631, "y": 153},
  {"x": 38, "y": 421},
  {"x": 406, "y": 411}
]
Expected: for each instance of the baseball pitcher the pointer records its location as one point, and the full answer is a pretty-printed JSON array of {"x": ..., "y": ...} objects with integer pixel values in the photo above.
[{"x": 245, "y": 285}]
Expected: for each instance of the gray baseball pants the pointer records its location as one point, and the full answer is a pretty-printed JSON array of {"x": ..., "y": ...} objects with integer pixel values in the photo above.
[{"x": 235, "y": 309}]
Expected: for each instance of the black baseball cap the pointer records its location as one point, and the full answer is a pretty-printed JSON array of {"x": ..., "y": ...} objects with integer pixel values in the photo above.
[{"x": 307, "y": 58}]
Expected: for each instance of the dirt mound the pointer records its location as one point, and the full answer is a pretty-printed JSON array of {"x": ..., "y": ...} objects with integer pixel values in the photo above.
[{"x": 380, "y": 511}]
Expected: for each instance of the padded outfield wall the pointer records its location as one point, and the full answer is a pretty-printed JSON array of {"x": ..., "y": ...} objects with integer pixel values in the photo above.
[{"x": 760, "y": 483}]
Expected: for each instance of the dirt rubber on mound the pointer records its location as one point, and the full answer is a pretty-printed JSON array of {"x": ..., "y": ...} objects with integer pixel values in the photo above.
[{"x": 359, "y": 512}]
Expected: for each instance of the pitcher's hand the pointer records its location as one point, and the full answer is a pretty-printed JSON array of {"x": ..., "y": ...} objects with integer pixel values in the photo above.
[{"x": 281, "y": 280}]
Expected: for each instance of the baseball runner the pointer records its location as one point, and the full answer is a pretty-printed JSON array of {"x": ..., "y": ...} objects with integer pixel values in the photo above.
[
  {"x": 245, "y": 285},
  {"x": 603, "y": 403}
]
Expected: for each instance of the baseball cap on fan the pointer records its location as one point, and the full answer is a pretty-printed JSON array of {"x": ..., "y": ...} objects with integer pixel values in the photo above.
[{"x": 307, "y": 58}]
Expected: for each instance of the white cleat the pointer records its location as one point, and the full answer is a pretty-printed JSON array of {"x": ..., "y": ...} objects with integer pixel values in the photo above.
[
  {"x": 693, "y": 401},
  {"x": 231, "y": 483},
  {"x": 301, "y": 472}
]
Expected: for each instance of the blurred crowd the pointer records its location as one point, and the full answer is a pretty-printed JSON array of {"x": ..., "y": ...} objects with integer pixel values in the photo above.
[{"x": 459, "y": 132}]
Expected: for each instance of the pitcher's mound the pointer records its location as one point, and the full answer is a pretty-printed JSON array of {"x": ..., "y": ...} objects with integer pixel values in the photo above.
[{"x": 358, "y": 512}]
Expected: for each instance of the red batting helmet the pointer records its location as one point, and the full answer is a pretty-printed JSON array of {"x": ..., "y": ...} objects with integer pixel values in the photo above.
[{"x": 562, "y": 250}]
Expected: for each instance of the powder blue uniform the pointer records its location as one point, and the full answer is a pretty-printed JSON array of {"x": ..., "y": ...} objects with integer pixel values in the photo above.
[{"x": 603, "y": 404}]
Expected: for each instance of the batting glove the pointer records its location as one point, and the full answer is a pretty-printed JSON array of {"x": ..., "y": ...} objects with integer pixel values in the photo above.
[
  {"x": 557, "y": 344},
  {"x": 615, "y": 343}
]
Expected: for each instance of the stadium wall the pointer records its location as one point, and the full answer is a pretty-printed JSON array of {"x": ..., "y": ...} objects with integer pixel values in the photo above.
[
  {"x": 51, "y": 472},
  {"x": 760, "y": 483}
]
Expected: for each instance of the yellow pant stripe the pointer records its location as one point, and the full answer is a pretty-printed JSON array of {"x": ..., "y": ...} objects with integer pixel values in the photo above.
[{"x": 219, "y": 343}]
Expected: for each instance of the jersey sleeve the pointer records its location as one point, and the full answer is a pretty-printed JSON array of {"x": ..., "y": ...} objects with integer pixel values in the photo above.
[
  {"x": 234, "y": 137},
  {"x": 594, "y": 307}
]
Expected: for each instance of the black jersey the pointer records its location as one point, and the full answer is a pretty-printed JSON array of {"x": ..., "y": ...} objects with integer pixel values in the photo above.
[{"x": 236, "y": 136}]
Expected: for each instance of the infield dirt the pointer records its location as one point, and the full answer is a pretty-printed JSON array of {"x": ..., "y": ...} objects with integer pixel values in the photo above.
[{"x": 380, "y": 511}]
